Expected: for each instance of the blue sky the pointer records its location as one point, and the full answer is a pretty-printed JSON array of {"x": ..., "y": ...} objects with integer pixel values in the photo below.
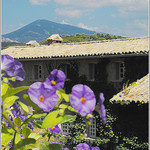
[{"x": 120, "y": 17}]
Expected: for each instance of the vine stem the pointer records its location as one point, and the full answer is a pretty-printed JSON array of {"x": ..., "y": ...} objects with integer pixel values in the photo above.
[{"x": 13, "y": 144}]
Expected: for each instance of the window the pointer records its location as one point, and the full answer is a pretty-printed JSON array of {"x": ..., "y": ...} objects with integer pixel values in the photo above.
[
  {"x": 65, "y": 68},
  {"x": 92, "y": 129},
  {"x": 37, "y": 72},
  {"x": 65, "y": 128},
  {"x": 91, "y": 72},
  {"x": 118, "y": 71}
]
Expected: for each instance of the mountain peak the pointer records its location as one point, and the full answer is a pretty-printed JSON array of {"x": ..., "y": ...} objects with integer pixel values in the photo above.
[{"x": 41, "y": 29}]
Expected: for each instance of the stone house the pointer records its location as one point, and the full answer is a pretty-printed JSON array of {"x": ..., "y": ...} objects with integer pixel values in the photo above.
[
  {"x": 55, "y": 38},
  {"x": 33, "y": 43},
  {"x": 102, "y": 65},
  {"x": 131, "y": 106}
]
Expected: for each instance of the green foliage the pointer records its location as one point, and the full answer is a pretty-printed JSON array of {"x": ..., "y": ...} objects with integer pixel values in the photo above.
[
  {"x": 84, "y": 38},
  {"x": 25, "y": 142},
  {"x": 55, "y": 119},
  {"x": 68, "y": 118},
  {"x": 34, "y": 106},
  {"x": 4, "y": 88},
  {"x": 54, "y": 147},
  {"x": 24, "y": 107},
  {"x": 35, "y": 116},
  {"x": 17, "y": 121},
  {"x": 8, "y": 101},
  {"x": 132, "y": 143},
  {"x": 12, "y": 91},
  {"x": 8, "y": 44},
  {"x": 26, "y": 132}
]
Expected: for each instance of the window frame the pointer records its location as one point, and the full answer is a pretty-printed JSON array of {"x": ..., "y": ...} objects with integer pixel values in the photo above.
[
  {"x": 65, "y": 128},
  {"x": 120, "y": 72},
  {"x": 39, "y": 73},
  {"x": 91, "y": 77},
  {"x": 92, "y": 129}
]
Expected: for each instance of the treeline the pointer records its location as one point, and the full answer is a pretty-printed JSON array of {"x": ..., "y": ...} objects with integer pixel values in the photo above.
[
  {"x": 84, "y": 38},
  {"x": 5, "y": 45}
]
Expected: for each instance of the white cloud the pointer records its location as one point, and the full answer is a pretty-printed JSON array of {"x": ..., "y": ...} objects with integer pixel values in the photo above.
[
  {"x": 100, "y": 3},
  {"x": 137, "y": 28},
  {"x": 64, "y": 22},
  {"x": 21, "y": 25},
  {"x": 81, "y": 25},
  {"x": 39, "y": 2},
  {"x": 125, "y": 7},
  {"x": 113, "y": 15},
  {"x": 72, "y": 13},
  {"x": 141, "y": 24}
]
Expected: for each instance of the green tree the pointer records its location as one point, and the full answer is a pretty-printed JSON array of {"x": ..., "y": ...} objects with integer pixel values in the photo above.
[{"x": 107, "y": 36}]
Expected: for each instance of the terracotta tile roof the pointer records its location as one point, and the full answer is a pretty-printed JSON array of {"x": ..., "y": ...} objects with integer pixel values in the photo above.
[
  {"x": 101, "y": 48},
  {"x": 137, "y": 92}
]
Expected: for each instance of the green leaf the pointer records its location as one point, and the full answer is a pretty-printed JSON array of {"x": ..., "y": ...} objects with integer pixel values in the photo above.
[
  {"x": 5, "y": 129},
  {"x": 60, "y": 97},
  {"x": 24, "y": 107},
  {"x": 63, "y": 106},
  {"x": 71, "y": 109},
  {"x": 17, "y": 121},
  {"x": 5, "y": 80},
  {"x": 65, "y": 96},
  {"x": 17, "y": 138},
  {"x": 25, "y": 142},
  {"x": 54, "y": 146},
  {"x": 38, "y": 124},
  {"x": 34, "y": 106},
  {"x": 34, "y": 136},
  {"x": 5, "y": 138},
  {"x": 88, "y": 123},
  {"x": 4, "y": 88},
  {"x": 68, "y": 118},
  {"x": 45, "y": 133},
  {"x": 12, "y": 91},
  {"x": 9, "y": 101},
  {"x": 134, "y": 84},
  {"x": 31, "y": 146},
  {"x": 17, "y": 90},
  {"x": 26, "y": 132},
  {"x": 52, "y": 119},
  {"x": 36, "y": 116}
]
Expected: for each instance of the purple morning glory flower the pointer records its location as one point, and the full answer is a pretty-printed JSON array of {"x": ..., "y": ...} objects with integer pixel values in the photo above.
[
  {"x": 82, "y": 99},
  {"x": 9, "y": 144},
  {"x": 6, "y": 62},
  {"x": 12, "y": 68},
  {"x": 17, "y": 71},
  {"x": 21, "y": 136},
  {"x": 65, "y": 148},
  {"x": 22, "y": 117},
  {"x": 95, "y": 148},
  {"x": 102, "y": 110},
  {"x": 56, "y": 79},
  {"x": 55, "y": 129},
  {"x": 82, "y": 146},
  {"x": 43, "y": 95},
  {"x": 30, "y": 125},
  {"x": 7, "y": 123},
  {"x": 57, "y": 142}
]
